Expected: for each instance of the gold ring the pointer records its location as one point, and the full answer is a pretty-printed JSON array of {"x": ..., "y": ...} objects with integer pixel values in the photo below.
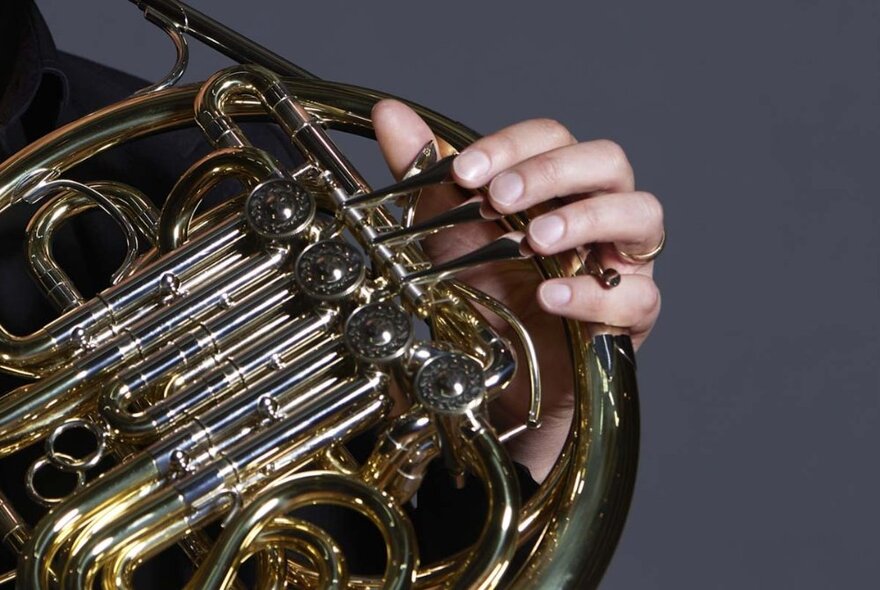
[{"x": 647, "y": 256}]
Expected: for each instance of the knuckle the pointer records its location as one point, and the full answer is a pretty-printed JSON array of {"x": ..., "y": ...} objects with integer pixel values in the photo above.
[
  {"x": 649, "y": 208},
  {"x": 548, "y": 170},
  {"x": 588, "y": 217},
  {"x": 616, "y": 157},
  {"x": 502, "y": 149},
  {"x": 611, "y": 149},
  {"x": 555, "y": 131}
]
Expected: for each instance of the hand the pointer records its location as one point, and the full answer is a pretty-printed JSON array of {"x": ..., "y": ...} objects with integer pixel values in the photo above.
[{"x": 593, "y": 187}]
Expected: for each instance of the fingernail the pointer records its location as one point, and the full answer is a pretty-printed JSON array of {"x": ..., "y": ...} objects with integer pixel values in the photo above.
[
  {"x": 471, "y": 165},
  {"x": 555, "y": 294},
  {"x": 506, "y": 188},
  {"x": 546, "y": 230}
]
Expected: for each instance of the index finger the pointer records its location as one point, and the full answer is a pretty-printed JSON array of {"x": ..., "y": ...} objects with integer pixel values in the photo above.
[{"x": 481, "y": 161}]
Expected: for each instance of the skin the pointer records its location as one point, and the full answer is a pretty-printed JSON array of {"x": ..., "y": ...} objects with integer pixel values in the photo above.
[{"x": 591, "y": 188}]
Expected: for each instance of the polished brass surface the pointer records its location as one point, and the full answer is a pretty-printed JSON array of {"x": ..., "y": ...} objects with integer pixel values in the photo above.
[{"x": 224, "y": 380}]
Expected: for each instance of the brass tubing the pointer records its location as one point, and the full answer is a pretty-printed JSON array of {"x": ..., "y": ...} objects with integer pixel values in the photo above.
[
  {"x": 121, "y": 488},
  {"x": 312, "y": 543},
  {"x": 342, "y": 107},
  {"x": 271, "y": 566},
  {"x": 303, "y": 129},
  {"x": 401, "y": 456},
  {"x": 251, "y": 274},
  {"x": 491, "y": 554},
  {"x": 223, "y": 39},
  {"x": 32, "y": 410},
  {"x": 528, "y": 346},
  {"x": 164, "y": 515},
  {"x": 14, "y": 531},
  {"x": 181, "y": 47},
  {"x": 484, "y": 564},
  {"x": 339, "y": 459},
  {"x": 211, "y": 338},
  {"x": 137, "y": 211},
  {"x": 247, "y": 164},
  {"x": 307, "y": 489},
  {"x": 129, "y": 231},
  {"x": 349, "y": 111},
  {"x": 235, "y": 420},
  {"x": 136, "y": 480},
  {"x": 351, "y": 408},
  {"x": 250, "y": 457},
  {"x": 195, "y": 264},
  {"x": 52, "y": 345},
  {"x": 216, "y": 385},
  {"x": 150, "y": 114},
  {"x": 595, "y": 494}
]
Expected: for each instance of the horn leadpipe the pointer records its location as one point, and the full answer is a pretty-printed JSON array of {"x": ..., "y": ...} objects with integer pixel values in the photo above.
[{"x": 216, "y": 35}]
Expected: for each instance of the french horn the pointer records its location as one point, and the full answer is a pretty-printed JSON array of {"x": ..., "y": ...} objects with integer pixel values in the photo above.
[{"x": 239, "y": 349}]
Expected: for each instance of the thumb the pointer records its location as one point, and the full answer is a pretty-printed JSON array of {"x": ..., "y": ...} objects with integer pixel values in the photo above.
[{"x": 401, "y": 134}]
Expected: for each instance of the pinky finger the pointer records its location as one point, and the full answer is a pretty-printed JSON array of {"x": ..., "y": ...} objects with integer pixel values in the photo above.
[{"x": 634, "y": 304}]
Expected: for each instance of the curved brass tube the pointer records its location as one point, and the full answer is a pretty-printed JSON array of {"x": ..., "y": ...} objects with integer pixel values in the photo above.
[
  {"x": 309, "y": 541},
  {"x": 133, "y": 211},
  {"x": 401, "y": 455},
  {"x": 491, "y": 554},
  {"x": 137, "y": 117},
  {"x": 307, "y": 489},
  {"x": 244, "y": 463},
  {"x": 120, "y": 489},
  {"x": 533, "y": 420},
  {"x": 597, "y": 488},
  {"x": 247, "y": 164},
  {"x": 144, "y": 542}
]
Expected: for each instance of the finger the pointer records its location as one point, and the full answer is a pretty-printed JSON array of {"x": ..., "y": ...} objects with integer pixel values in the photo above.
[
  {"x": 631, "y": 221},
  {"x": 581, "y": 168},
  {"x": 401, "y": 134},
  {"x": 633, "y": 304},
  {"x": 486, "y": 157}
]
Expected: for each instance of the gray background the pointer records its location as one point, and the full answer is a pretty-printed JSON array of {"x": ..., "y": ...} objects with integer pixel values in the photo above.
[{"x": 757, "y": 124}]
